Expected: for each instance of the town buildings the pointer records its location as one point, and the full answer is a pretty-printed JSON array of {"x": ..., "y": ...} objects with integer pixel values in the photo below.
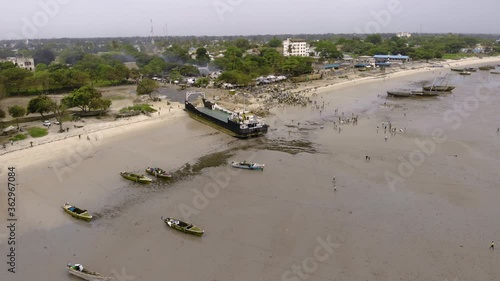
[
  {"x": 295, "y": 47},
  {"x": 21, "y": 62}
]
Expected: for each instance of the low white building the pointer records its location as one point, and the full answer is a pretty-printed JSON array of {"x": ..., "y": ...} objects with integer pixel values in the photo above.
[
  {"x": 21, "y": 62},
  {"x": 295, "y": 47}
]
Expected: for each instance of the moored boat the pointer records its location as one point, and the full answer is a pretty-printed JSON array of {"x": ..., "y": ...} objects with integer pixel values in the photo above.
[
  {"x": 236, "y": 124},
  {"x": 486, "y": 67},
  {"x": 458, "y": 69},
  {"x": 77, "y": 212},
  {"x": 85, "y": 274},
  {"x": 400, "y": 93},
  {"x": 136, "y": 177},
  {"x": 248, "y": 166},
  {"x": 158, "y": 172},
  {"x": 495, "y": 72},
  {"x": 431, "y": 93},
  {"x": 183, "y": 226},
  {"x": 439, "y": 88},
  {"x": 471, "y": 69},
  {"x": 465, "y": 73}
]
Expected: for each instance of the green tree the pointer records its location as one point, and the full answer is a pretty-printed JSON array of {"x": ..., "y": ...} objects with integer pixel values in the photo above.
[
  {"x": 147, "y": 87},
  {"x": 175, "y": 75},
  {"x": 235, "y": 77},
  {"x": 375, "y": 39},
  {"x": 40, "y": 104},
  {"x": 100, "y": 104},
  {"x": 156, "y": 66},
  {"x": 71, "y": 56},
  {"x": 15, "y": 79},
  {"x": 2, "y": 114},
  {"x": 40, "y": 67},
  {"x": 295, "y": 66},
  {"x": 328, "y": 50},
  {"x": 6, "y": 65},
  {"x": 274, "y": 43},
  {"x": 44, "y": 55},
  {"x": 201, "y": 82},
  {"x": 82, "y": 98},
  {"x": 202, "y": 56},
  {"x": 188, "y": 70},
  {"x": 177, "y": 54},
  {"x": 90, "y": 64},
  {"x": 242, "y": 44},
  {"x": 135, "y": 75},
  {"x": 60, "y": 110},
  {"x": 17, "y": 112}
]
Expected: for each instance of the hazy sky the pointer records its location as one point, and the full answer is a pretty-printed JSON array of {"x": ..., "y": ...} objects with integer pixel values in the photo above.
[{"x": 116, "y": 18}]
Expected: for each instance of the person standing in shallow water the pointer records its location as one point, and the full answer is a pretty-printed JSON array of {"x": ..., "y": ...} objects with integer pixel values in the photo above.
[{"x": 492, "y": 245}]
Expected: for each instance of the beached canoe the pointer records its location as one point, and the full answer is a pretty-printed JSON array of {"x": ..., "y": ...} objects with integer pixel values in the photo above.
[
  {"x": 471, "y": 69},
  {"x": 465, "y": 73},
  {"x": 86, "y": 274},
  {"x": 431, "y": 93},
  {"x": 248, "y": 166},
  {"x": 400, "y": 93},
  {"x": 183, "y": 226},
  {"x": 486, "y": 67},
  {"x": 159, "y": 173},
  {"x": 458, "y": 69},
  {"x": 77, "y": 212},
  {"x": 439, "y": 88},
  {"x": 136, "y": 177}
]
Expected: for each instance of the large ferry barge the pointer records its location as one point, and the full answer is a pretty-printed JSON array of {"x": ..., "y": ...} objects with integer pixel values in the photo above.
[{"x": 236, "y": 124}]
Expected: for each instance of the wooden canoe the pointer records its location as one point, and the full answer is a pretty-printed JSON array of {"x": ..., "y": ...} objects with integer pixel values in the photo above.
[
  {"x": 159, "y": 173},
  {"x": 77, "y": 212},
  {"x": 86, "y": 274},
  {"x": 248, "y": 166},
  {"x": 136, "y": 177},
  {"x": 183, "y": 226}
]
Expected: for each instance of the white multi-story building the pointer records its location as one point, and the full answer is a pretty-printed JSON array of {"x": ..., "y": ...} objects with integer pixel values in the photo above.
[
  {"x": 403, "y": 34},
  {"x": 295, "y": 47},
  {"x": 21, "y": 62}
]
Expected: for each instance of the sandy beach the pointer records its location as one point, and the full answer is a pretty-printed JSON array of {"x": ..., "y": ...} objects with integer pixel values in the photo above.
[{"x": 422, "y": 208}]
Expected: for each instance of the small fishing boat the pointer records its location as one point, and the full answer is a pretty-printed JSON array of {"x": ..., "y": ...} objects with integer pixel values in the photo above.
[
  {"x": 431, "y": 93},
  {"x": 400, "y": 93},
  {"x": 495, "y": 72},
  {"x": 159, "y": 173},
  {"x": 465, "y": 73},
  {"x": 248, "y": 166},
  {"x": 85, "y": 274},
  {"x": 471, "y": 69},
  {"x": 136, "y": 177},
  {"x": 183, "y": 226},
  {"x": 439, "y": 88},
  {"x": 458, "y": 69},
  {"x": 486, "y": 67},
  {"x": 77, "y": 212}
]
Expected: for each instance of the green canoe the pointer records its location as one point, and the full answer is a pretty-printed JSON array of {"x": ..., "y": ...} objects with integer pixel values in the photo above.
[
  {"x": 85, "y": 273},
  {"x": 136, "y": 177},
  {"x": 77, "y": 212},
  {"x": 183, "y": 226}
]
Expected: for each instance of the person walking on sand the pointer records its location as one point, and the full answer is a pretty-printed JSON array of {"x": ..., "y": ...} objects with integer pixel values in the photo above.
[
  {"x": 492, "y": 245},
  {"x": 385, "y": 138}
]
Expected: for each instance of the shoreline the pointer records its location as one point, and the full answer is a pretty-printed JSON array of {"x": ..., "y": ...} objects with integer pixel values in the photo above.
[{"x": 113, "y": 128}]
